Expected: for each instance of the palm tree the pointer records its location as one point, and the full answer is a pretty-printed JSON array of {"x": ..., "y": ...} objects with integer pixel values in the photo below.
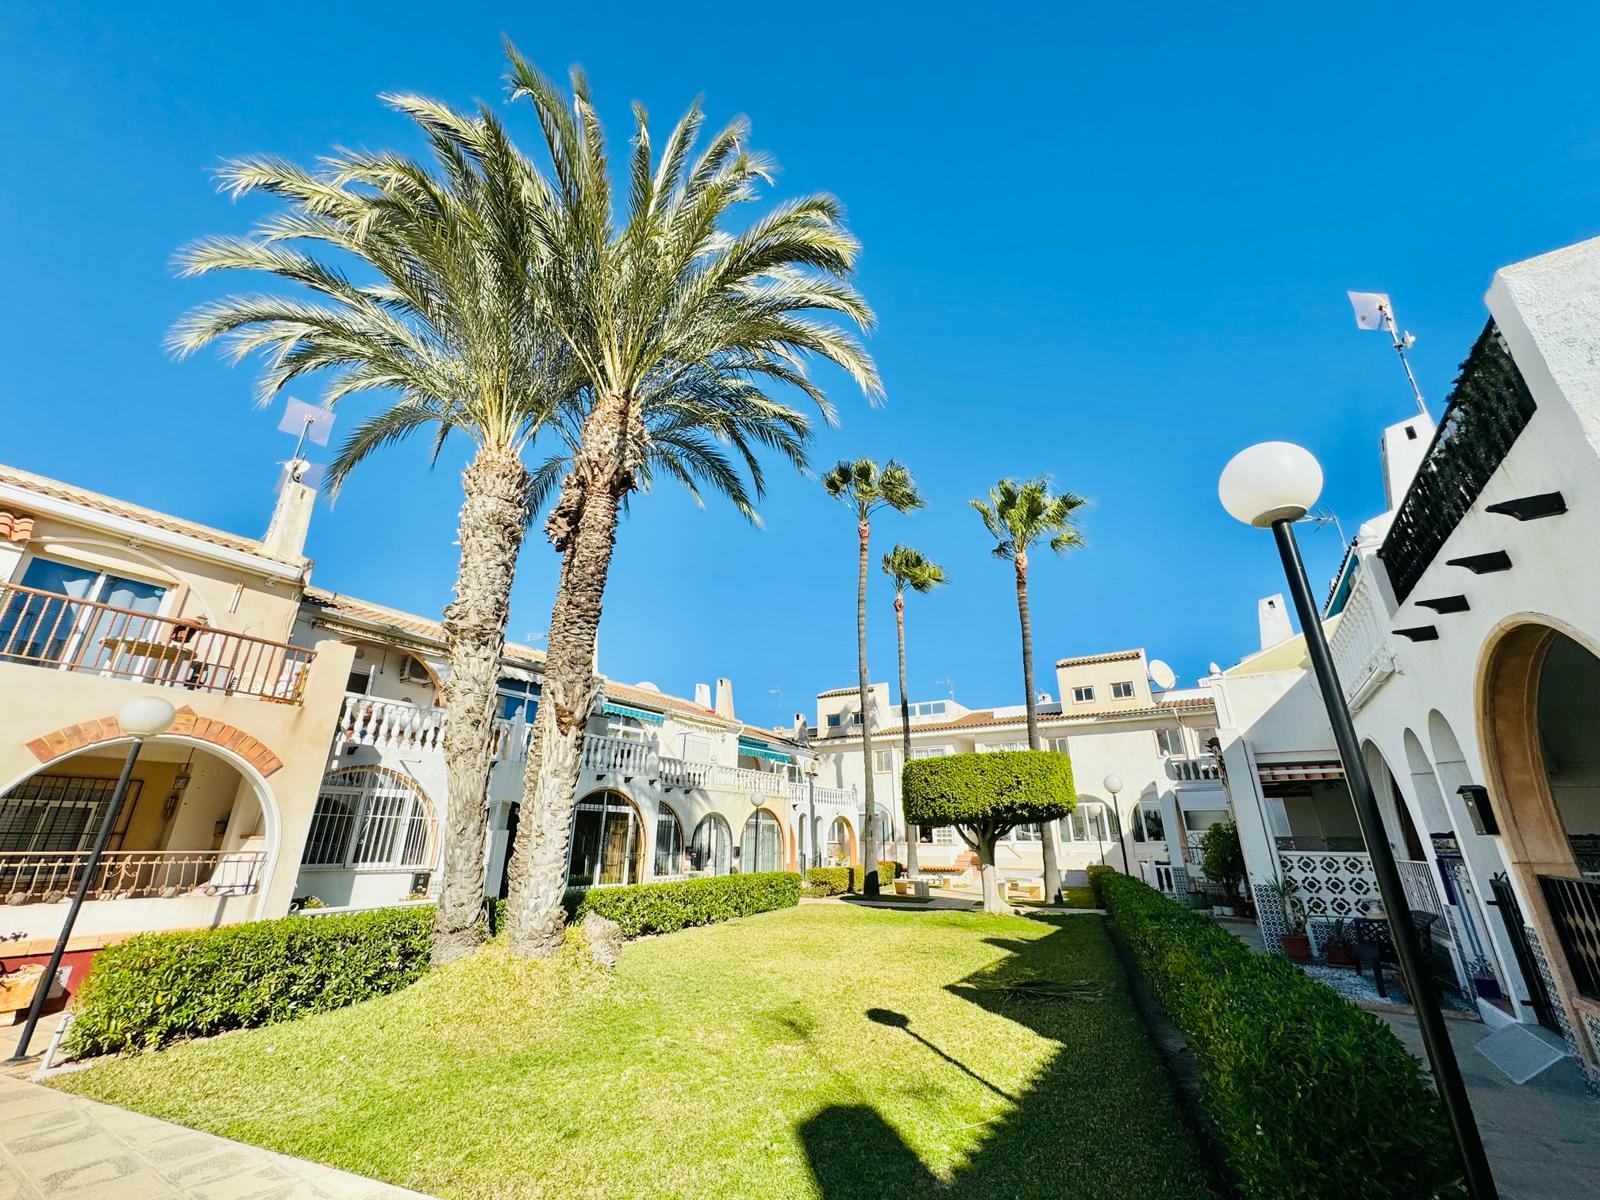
[
  {"x": 865, "y": 488},
  {"x": 908, "y": 568},
  {"x": 680, "y": 330},
  {"x": 1018, "y": 515},
  {"x": 450, "y": 330}
]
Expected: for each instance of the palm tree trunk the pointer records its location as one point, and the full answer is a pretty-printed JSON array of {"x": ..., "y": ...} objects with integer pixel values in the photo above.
[
  {"x": 583, "y": 526},
  {"x": 1052, "y": 868},
  {"x": 869, "y": 830},
  {"x": 494, "y": 516},
  {"x": 912, "y": 832}
]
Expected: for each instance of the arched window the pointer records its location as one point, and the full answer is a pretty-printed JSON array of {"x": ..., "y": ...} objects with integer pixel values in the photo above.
[
  {"x": 368, "y": 817},
  {"x": 669, "y": 844},
  {"x": 711, "y": 852},
  {"x": 761, "y": 847},
  {"x": 607, "y": 842}
]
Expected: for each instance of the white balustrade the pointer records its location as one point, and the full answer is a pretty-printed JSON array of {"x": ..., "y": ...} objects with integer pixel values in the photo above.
[
  {"x": 1193, "y": 770},
  {"x": 618, "y": 756},
  {"x": 1360, "y": 642},
  {"x": 390, "y": 724}
]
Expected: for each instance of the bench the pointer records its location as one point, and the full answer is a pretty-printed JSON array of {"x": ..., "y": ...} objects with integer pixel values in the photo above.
[{"x": 911, "y": 887}]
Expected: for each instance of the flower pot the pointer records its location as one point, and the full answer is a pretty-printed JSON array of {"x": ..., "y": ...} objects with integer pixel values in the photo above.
[
  {"x": 1296, "y": 945},
  {"x": 1339, "y": 955},
  {"x": 1222, "y": 910}
]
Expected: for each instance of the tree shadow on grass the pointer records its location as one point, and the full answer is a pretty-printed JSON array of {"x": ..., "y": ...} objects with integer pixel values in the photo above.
[{"x": 1099, "y": 1120}]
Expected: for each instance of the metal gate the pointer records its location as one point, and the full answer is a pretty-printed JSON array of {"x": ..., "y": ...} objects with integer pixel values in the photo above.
[{"x": 1511, "y": 913}]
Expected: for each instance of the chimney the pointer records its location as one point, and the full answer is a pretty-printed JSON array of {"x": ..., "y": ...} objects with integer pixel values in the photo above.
[
  {"x": 724, "y": 705},
  {"x": 1273, "y": 619},
  {"x": 702, "y": 695},
  {"x": 285, "y": 539}
]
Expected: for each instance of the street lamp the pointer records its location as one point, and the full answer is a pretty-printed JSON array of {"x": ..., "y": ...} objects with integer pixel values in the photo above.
[
  {"x": 1273, "y": 484},
  {"x": 143, "y": 718},
  {"x": 1113, "y": 784},
  {"x": 811, "y": 802}
]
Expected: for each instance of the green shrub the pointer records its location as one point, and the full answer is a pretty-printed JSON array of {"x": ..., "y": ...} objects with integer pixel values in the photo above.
[
  {"x": 1312, "y": 1096},
  {"x": 1008, "y": 787},
  {"x": 1221, "y": 857},
  {"x": 1096, "y": 873},
  {"x": 835, "y": 881},
  {"x": 158, "y": 987},
  {"x": 663, "y": 907}
]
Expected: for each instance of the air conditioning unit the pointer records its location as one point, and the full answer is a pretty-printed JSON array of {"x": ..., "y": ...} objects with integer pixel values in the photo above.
[{"x": 412, "y": 671}]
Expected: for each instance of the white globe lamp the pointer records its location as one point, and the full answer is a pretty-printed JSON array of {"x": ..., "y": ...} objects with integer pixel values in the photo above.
[
  {"x": 146, "y": 717},
  {"x": 1113, "y": 783},
  {"x": 1270, "y": 482}
]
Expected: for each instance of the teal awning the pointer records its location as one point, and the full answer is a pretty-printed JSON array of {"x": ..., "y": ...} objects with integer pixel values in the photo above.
[
  {"x": 761, "y": 750},
  {"x": 627, "y": 710}
]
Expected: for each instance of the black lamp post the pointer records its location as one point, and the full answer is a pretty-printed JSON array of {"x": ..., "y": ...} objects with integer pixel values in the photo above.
[
  {"x": 1274, "y": 484},
  {"x": 142, "y": 718}
]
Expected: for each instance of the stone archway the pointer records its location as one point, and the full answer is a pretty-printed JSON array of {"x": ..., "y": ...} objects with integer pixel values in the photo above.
[
  {"x": 71, "y": 739},
  {"x": 1535, "y": 694}
]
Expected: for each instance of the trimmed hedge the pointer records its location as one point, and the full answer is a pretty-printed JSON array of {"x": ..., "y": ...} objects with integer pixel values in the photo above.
[
  {"x": 643, "y": 908},
  {"x": 1096, "y": 873},
  {"x": 1011, "y": 787},
  {"x": 1312, "y": 1097},
  {"x": 835, "y": 881},
  {"x": 158, "y": 987}
]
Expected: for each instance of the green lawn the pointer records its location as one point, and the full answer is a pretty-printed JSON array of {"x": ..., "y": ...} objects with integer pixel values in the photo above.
[{"x": 826, "y": 1051}]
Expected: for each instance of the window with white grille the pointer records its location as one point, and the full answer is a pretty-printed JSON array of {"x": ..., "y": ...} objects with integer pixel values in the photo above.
[
  {"x": 884, "y": 760},
  {"x": 367, "y": 817},
  {"x": 1122, "y": 691},
  {"x": 1082, "y": 695},
  {"x": 1170, "y": 741}
]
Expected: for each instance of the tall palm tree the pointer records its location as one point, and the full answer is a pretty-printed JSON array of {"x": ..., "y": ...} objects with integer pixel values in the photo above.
[
  {"x": 867, "y": 489},
  {"x": 448, "y": 328},
  {"x": 681, "y": 330},
  {"x": 908, "y": 568},
  {"x": 1018, "y": 516}
]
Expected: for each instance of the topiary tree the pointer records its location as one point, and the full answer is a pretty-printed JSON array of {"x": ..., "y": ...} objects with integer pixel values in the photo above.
[
  {"x": 986, "y": 796},
  {"x": 1221, "y": 857}
]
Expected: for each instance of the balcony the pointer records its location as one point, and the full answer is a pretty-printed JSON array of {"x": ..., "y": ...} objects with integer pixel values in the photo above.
[
  {"x": 47, "y": 629},
  {"x": 1360, "y": 644},
  {"x": 48, "y": 877},
  {"x": 394, "y": 724},
  {"x": 1193, "y": 770},
  {"x": 1489, "y": 407}
]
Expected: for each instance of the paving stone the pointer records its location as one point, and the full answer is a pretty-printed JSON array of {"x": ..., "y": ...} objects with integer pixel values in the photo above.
[
  {"x": 147, "y": 1184},
  {"x": 86, "y": 1174}
]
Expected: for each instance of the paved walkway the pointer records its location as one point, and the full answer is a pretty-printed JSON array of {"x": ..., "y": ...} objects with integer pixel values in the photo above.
[{"x": 63, "y": 1147}]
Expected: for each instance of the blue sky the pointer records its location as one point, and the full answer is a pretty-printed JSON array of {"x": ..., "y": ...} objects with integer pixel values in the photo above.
[{"x": 1107, "y": 247}]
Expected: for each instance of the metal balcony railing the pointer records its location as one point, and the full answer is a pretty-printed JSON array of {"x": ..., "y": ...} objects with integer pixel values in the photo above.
[
  {"x": 47, "y": 629},
  {"x": 1488, "y": 407},
  {"x": 1574, "y": 904},
  {"x": 50, "y": 876}
]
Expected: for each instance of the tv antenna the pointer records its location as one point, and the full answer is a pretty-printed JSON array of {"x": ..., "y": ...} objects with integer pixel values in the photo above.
[
  {"x": 949, "y": 684},
  {"x": 1374, "y": 310}
]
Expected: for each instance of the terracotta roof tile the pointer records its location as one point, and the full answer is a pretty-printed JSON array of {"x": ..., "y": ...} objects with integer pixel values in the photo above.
[
  {"x": 57, "y": 490},
  {"x": 1084, "y": 660}
]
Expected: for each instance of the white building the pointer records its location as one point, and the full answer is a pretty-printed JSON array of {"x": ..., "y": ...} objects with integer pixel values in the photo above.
[
  {"x": 1465, "y": 626},
  {"x": 1110, "y": 723}
]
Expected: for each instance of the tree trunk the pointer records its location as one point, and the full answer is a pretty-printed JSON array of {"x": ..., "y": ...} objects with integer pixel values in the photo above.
[
  {"x": 869, "y": 823},
  {"x": 494, "y": 516},
  {"x": 993, "y": 900},
  {"x": 1047, "y": 843},
  {"x": 912, "y": 832},
  {"x": 583, "y": 527}
]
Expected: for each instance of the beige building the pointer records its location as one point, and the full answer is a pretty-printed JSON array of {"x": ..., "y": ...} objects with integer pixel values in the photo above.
[{"x": 1111, "y": 723}]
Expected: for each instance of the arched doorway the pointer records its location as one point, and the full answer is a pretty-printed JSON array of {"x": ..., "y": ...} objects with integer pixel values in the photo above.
[
  {"x": 607, "y": 841},
  {"x": 711, "y": 851},
  {"x": 761, "y": 846},
  {"x": 1542, "y": 746},
  {"x": 841, "y": 849},
  {"x": 194, "y": 841},
  {"x": 669, "y": 851}
]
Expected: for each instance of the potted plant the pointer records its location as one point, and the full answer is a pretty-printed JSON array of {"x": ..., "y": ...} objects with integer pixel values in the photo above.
[
  {"x": 1294, "y": 941},
  {"x": 1336, "y": 948},
  {"x": 1223, "y": 862}
]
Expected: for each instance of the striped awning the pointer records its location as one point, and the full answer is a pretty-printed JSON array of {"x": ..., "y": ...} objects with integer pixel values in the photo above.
[
  {"x": 627, "y": 710},
  {"x": 761, "y": 750},
  {"x": 1298, "y": 772}
]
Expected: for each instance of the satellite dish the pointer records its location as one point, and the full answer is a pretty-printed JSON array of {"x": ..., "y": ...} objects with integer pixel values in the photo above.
[{"x": 1161, "y": 674}]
